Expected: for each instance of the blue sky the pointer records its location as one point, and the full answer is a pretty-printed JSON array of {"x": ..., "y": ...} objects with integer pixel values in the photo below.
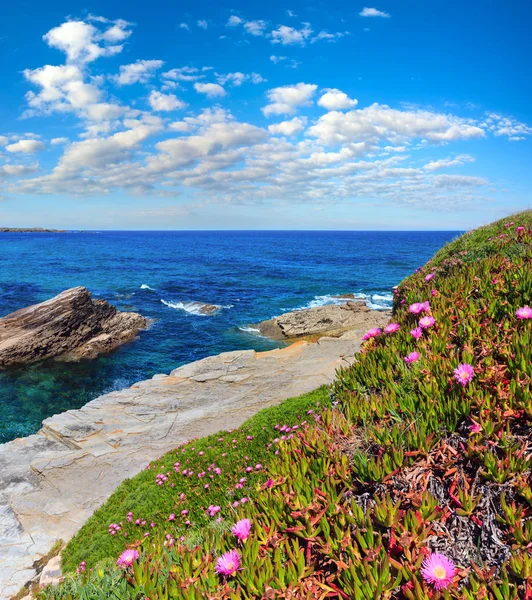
[{"x": 400, "y": 114}]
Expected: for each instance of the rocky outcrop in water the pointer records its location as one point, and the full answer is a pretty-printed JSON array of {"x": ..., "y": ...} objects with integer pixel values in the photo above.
[
  {"x": 331, "y": 320},
  {"x": 71, "y": 326}
]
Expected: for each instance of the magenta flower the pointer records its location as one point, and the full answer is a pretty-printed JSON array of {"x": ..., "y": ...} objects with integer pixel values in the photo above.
[
  {"x": 438, "y": 570},
  {"x": 475, "y": 428},
  {"x": 392, "y": 328},
  {"x": 520, "y": 229},
  {"x": 371, "y": 333},
  {"x": 127, "y": 558},
  {"x": 241, "y": 529},
  {"x": 464, "y": 373},
  {"x": 411, "y": 358},
  {"x": 416, "y": 308},
  {"x": 429, "y": 277},
  {"x": 425, "y": 322},
  {"x": 417, "y": 333},
  {"x": 228, "y": 564},
  {"x": 525, "y": 312}
]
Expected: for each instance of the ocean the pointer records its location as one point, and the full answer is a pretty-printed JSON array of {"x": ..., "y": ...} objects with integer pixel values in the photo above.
[{"x": 249, "y": 275}]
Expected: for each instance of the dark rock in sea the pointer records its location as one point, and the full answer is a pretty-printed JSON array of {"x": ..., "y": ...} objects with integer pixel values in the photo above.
[
  {"x": 30, "y": 230},
  {"x": 331, "y": 320},
  {"x": 69, "y": 327}
]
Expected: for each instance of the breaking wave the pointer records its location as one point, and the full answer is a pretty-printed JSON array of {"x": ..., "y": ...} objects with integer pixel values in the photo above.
[{"x": 201, "y": 309}]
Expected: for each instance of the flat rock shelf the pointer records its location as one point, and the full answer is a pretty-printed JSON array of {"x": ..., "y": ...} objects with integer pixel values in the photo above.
[{"x": 51, "y": 482}]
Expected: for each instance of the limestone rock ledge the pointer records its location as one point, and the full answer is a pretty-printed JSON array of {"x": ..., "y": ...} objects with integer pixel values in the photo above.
[
  {"x": 330, "y": 320},
  {"x": 71, "y": 326},
  {"x": 51, "y": 482}
]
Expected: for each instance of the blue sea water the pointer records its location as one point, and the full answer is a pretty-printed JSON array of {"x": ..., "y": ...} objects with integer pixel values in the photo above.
[{"x": 250, "y": 275}]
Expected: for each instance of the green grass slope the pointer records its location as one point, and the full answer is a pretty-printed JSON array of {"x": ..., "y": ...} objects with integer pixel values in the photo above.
[{"x": 415, "y": 484}]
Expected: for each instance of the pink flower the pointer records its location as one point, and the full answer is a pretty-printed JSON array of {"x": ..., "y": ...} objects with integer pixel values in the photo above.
[
  {"x": 434, "y": 293},
  {"x": 520, "y": 229},
  {"x": 438, "y": 570},
  {"x": 82, "y": 567},
  {"x": 419, "y": 307},
  {"x": 127, "y": 558},
  {"x": 417, "y": 333},
  {"x": 525, "y": 312},
  {"x": 427, "y": 322},
  {"x": 228, "y": 564},
  {"x": 241, "y": 529},
  {"x": 371, "y": 333},
  {"x": 171, "y": 517},
  {"x": 411, "y": 358},
  {"x": 212, "y": 510},
  {"x": 429, "y": 277},
  {"x": 475, "y": 428},
  {"x": 392, "y": 328},
  {"x": 464, "y": 373}
]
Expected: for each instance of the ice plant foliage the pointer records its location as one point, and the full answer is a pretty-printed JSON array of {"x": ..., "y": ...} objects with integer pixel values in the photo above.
[
  {"x": 350, "y": 496},
  {"x": 438, "y": 570}
]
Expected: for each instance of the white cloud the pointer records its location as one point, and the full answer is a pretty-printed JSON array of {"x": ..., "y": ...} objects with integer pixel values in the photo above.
[
  {"x": 334, "y": 99},
  {"x": 212, "y": 90},
  {"x": 4, "y": 140},
  {"x": 138, "y": 72},
  {"x": 453, "y": 181},
  {"x": 443, "y": 163},
  {"x": 183, "y": 74},
  {"x": 291, "y": 127},
  {"x": 291, "y": 13},
  {"x": 59, "y": 140},
  {"x": 80, "y": 41},
  {"x": 165, "y": 102},
  {"x": 509, "y": 127},
  {"x": 381, "y": 123},
  {"x": 184, "y": 26},
  {"x": 26, "y": 146},
  {"x": 202, "y": 24},
  {"x": 234, "y": 21},
  {"x": 329, "y": 37},
  {"x": 373, "y": 12},
  {"x": 237, "y": 79},
  {"x": 255, "y": 28},
  {"x": 286, "y": 99},
  {"x": 277, "y": 59},
  {"x": 288, "y": 36},
  {"x": 10, "y": 170}
]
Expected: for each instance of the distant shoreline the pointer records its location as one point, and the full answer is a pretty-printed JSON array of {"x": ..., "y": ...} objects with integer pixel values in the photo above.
[{"x": 30, "y": 230}]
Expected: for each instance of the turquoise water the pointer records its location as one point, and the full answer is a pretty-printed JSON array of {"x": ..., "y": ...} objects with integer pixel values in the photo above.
[{"x": 251, "y": 275}]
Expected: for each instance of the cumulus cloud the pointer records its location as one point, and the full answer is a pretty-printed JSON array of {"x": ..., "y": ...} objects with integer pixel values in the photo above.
[
  {"x": 380, "y": 122},
  {"x": 165, "y": 102},
  {"x": 289, "y": 36},
  {"x": 373, "y": 12},
  {"x": 4, "y": 140},
  {"x": 202, "y": 24},
  {"x": 59, "y": 140},
  {"x": 509, "y": 127},
  {"x": 138, "y": 72},
  {"x": 237, "y": 79},
  {"x": 443, "y": 163},
  {"x": 334, "y": 99},
  {"x": 286, "y": 99},
  {"x": 82, "y": 42},
  {"x": 212, "y": 90},
  {"x": 291, "y": 127},
  {"x": 26, "y": 146},
  {"x": 10, "y": 170},
  {"x": 256, "y": 28},
  {"x": 183, "y": 74},
  {"x": 329, "y": 37},
  {"x": 234, "y": 21}
]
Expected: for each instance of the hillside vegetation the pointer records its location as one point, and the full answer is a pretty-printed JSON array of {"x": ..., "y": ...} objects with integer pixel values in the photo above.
[{"x": 413, "y": 484}]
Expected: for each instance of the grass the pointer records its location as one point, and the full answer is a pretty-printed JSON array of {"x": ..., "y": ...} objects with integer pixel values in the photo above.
[
  {"x": 152, "y": 503},
  {"x": 405, "y": 464}
]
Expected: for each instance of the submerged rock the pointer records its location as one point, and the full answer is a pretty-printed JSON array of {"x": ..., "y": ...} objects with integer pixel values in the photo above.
[
  {"x": 71, "y": 326},
  {"x": 330, "y": 320}
]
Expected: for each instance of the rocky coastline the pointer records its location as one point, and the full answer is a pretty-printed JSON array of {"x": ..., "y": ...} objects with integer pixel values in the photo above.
[
  {"x": 52, "y": 481},
  {"x": 71, "y": 326}
]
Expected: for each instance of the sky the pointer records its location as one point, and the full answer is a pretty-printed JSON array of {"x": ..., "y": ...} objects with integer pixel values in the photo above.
[{"x": 371, "y": 114}]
